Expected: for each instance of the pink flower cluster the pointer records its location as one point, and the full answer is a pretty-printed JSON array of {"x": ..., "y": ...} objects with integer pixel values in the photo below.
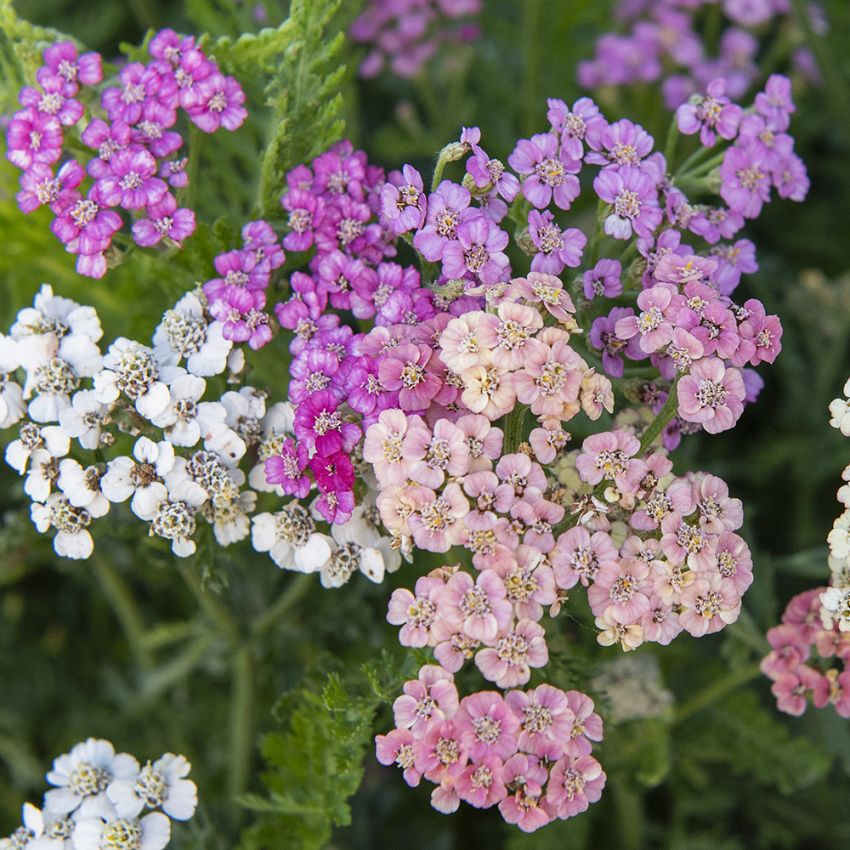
[
  {"x": 405, "y": 34},
  {"x": 135, "y": 160},
  {"x": 527, "y": 752},
  {"x": 664, "y": 43},
  {"x": 799, "y": 661}
]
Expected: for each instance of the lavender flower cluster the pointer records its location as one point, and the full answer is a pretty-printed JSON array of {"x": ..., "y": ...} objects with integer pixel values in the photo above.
[
  {"x": 665, "y": 43},
  {"x": 135, "y": 158},
  {"x": 403, "y": 35}
]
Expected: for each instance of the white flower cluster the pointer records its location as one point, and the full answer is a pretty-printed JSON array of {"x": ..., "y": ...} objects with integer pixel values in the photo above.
[
  {"x": 72, "y": 403},
  {"x": 836, "y": 600},
  {"x": 103, "y": 800}
]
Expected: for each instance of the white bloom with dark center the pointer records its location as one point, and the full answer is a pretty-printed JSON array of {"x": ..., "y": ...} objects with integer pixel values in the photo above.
[
  {"x": 187, "y": 418},
  {"x": 49, "y": 438},
  {"x": 173, "y": 515},
  {"x": 245, "y": 411},
  {"x": 72, "y": 539},
  {"x": 52, "y": 831},
  {"x": 53, "y": 314},
  {"x": 152, "y": 832},
  {"x": 231, "y": 520},
  {"x": 161, "y": 785},
  {"x": 12, "y": 405},
  {"x": 55, "y": 366},
  {"x": 84, "y": 420},
  {"x": 185, "y": 333},
  {"x": 42, "y": 476},
  {"x": 81, "y": 486},
  {"x": 132, "y": 370},
  {"x": 291, "y": 539},
  {"x": 374, "y": 552},
  {"x": 82, "y": 776},
  {"x": 141, "y": 476}
]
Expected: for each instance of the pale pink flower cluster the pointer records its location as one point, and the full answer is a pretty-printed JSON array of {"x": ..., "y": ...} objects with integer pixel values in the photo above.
[{"x": 527, "y": 752}]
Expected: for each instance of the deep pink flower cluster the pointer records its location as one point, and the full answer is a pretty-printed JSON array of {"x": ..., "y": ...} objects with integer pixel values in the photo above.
[
  {"x": 663, "y": 43},
  {"x": 527, "y": 752},
  {"x": 799, "y": 661},
  {"x": 335, "y": 385},
  {"x": 135, "y": 160},
  {"x": 404, "y": 34}
]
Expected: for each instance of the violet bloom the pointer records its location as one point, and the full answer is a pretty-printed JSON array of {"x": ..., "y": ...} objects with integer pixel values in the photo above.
[
  {"x": 334, "y": 473},
  {"x": 760, "y": 336},
  {"x": 169, "y": 46},
  {"x": 548, "y": 175},
  {"x": 305, "y": 212},
  {"x": 191, "y": 70},
  {"x": 363, "y": 389},
  {"x": 164, "y": 221},
  {"x": 621, "y": 143},
  {"x": 745, "y": 181},
  {"x": 52, "y": 101},
  {"x": 216, "y": 102},
  {"x": 716, "y": 223},
  {"x": 33, "y": 137},
  {"x": 711, "y": 395},
  {"x": 259, "y": 237},
  {"x": 131, "y": 183},
  {"x": 404, "y": 369},
  {"x": 604, "y": 338},
  {"x": 107, "y": 140},
  {"x": 479, "y": 249},
  {"x": 341, "y": 171},
  {"x": 241, "y": 278},
  {"x": 174, "y": 173},
  {"x": 710, "y": 115},
  {"x": 286, "y": 469},
  {"x": 85, "y": 227},
  {"x": 40, "y": 187},
  {"x": 403, "y": 201},
  {"x": 575, "y": 125},
  {"x": 556, "y": 248},
  {"x": 447, "y": 207},
  {"x": 603, "y": 280},
  {"x": 774, "y": 104},
  {"x": 319, "y": 423},
  {"x": 634, "y": 198},
  {"x": 489, "y": 173},
  {"x": 152, "y": 130},
  {"x": 340, "y": 274},
  {"x": 312, "y": 371},
  {"x": 62, "y": 61},
  {"x": 138, "y": 83}
]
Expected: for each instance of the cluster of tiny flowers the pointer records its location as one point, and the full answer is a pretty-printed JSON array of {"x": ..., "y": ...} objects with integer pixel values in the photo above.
[
  {"x": 103, "y": 800},
  {"x": 816, "y": 624},
  {"x": 527, "y": 752},
  {"x": 687, "y": 323},
  {"x": 402, "y": 35},
  {"x": 131, "y": 132},
  {"x": 664, "y": 43}
]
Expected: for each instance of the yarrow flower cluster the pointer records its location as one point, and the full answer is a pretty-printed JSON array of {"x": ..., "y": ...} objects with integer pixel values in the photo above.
[
  {"x": 527, "y": 752},
  {"x": 664, "y": 43},
  {"x": 815, "y": 626},
  {"x": 103, "y": 800},
  {"x": 402, "y": 35},
  {"x": 131, "y": 131}
]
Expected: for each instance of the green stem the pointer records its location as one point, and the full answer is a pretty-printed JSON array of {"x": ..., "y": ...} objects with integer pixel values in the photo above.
[
  {"x": 296, "y": 589},
  {"x": 196, "y": 137},
  {"x": 514, "y": 427},
  {"x": 241, "y": 722},
  {"x": 670, "y": 144},
  {"x": 531, "y": 56},
  {"x": 120, "y": 599},
  {"x": 697, "y": 156},
  {"x": 671, "y": 405},
  {"x": 629, "y": 813},
  {"x": 211, "y": 605},
  {"x": 717, "y": 691}
]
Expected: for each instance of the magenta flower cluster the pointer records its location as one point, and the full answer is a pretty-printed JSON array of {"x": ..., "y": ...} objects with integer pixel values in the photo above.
[
  {"x": 799, "y": 663},
  {"x": 527, "y": 752},
  {"x": 132, "y": 135},
  {"x": 402, "y": 35},
  {"x": 664, "y": 43}
]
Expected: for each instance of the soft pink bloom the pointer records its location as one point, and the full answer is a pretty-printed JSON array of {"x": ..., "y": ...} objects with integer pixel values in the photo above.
[
  {"x": 484, "y": 441},
  {"x": 461, "y": 343},
  {"x": 489, "y": 391},
  {"x": 433, "y": 696},
  {"x": 509, "y": 335},
  {"x": 608, "y": 455},
  {"x": 440, "y": 754},
  {"x": 623, "y": 588},
  {"x": 661, "y": 623},
  {"x": 550, "y": 380},
  {"x": 529, "y": 582},
  {"x": 545, "y": 289},
  {"x": 383, "y": 447},
  {"x": 578, "y": 556},
  {"x": 833, "y": 688},
  {"x": 792, "y": 689},
  {"x": 406, "y": 368},
  {"x": 508, "y": 663},
  {"x": 710, "y": 604},
  {"x": 712, "y": 395},
  {"x": 546, "y": 720},
  {"x": 477, "y": 607},
  {"x": 397, "y": 748},
  {"x": 523, "y": 807},
  {"x": 539, "y": 516},
  {"x": 717, "y": 512},
  {"x": 654, "y": 324},
  {"x": 481, "y": 784},
  {"x": 521, "y": 473},
  {"x": 417, "y": 615},
  {"x": 587, "y": 725},
  {"x": 574, "y": 783},
  {"x": 487, "y": 726},
  {"x": 433, "y": 456},
  {"x": 436, "y": 525}
]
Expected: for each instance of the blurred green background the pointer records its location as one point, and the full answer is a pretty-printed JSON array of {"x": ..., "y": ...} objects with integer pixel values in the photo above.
[{"x": 118, "y": 647}]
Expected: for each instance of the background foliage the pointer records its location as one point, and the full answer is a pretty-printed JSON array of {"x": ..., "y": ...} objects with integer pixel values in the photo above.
[{"x": 274, "y": 687}]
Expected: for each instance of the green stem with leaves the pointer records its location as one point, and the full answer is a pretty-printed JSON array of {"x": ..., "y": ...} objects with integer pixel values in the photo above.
[
  {"x": 717, "y": 691},
  {"x": 514, "y": 428}
]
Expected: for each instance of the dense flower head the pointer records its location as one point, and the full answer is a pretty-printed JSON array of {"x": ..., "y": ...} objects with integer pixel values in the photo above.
[{"x": 131, "y": 149}]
